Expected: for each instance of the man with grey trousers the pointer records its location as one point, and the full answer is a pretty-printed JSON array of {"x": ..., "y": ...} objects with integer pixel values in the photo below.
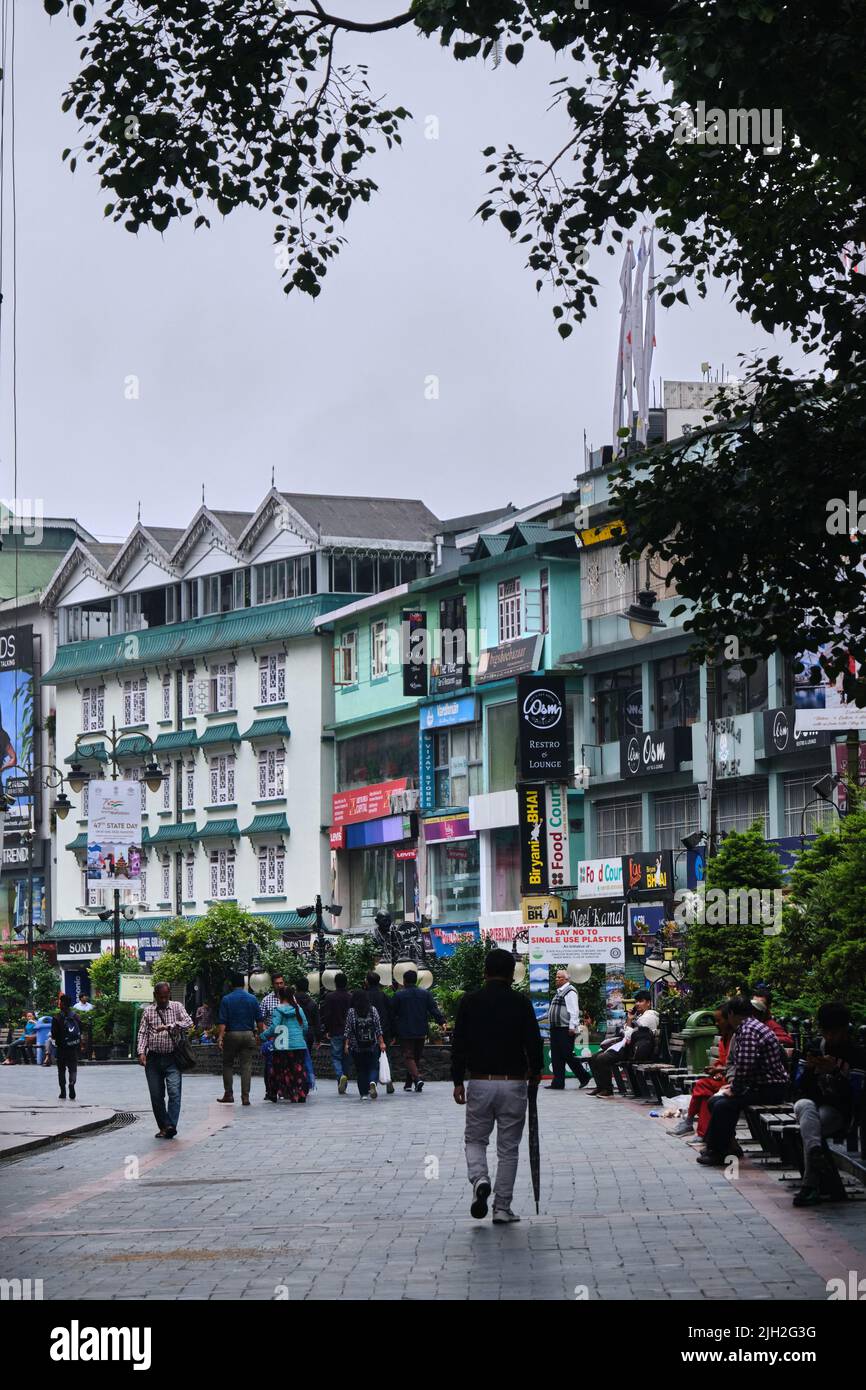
[{"x": 498, "y": 1044}]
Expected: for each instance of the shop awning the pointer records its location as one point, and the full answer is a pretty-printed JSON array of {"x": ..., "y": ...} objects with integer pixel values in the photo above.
[
  {"x": 273, "y": 824},
  {"x": 80, "y": 841},
  {"x": 275, "y": 727},
  {"x": 171, "y": 834},
  {"x": 133, "y": 746},
  {"x": 177, "y": 742},
  {"x": 220, "y": 830}
]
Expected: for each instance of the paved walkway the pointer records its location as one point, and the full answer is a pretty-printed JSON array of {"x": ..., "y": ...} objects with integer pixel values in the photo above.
[
  {"x": 27, "y": 1123},
  {"x": 359, "y": 1199}
]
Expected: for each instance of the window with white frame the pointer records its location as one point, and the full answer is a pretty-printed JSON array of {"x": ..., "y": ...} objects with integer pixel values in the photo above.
[
  {"x": 189, "y": 785},
  {"x": 166, "y": 698},
  {"x": 135, "y": 700},
  {"x": 92, "y": 708},
  {"x": 739, "y": 804},
  {"x": 222, "y": 873},
  {"x": 165, "y": 878},
  {"x": 272, "y": 766},
  {"x": 167, "y": 800},
  {"x": 222, "y": 687},
  {"x": 189, "y": 877},
  {"x": 509, "y": 609},
  {"x": 618, "y": 827},
  {"x": 222, "y": 779},
  {"x": 799, "y": 794},
  {"x": 379, "y": 649},
  {"x": 272, "y": 874},
  {"x": 272, "y": 679},
  {"x": 676, "y": 816},
  {"x": 346, "y": 659}
]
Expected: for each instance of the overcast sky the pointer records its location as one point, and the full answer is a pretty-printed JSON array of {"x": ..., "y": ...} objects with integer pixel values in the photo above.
[{"x": 236, "y": 377}]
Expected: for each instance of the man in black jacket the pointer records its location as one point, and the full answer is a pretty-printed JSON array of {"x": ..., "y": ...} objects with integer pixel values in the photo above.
[
  {"x": 411, "y": 1011},
  {"x": 497, "y": 1041},
  {"x": 382, "y": 1004},
  {"x": 827, "y": 1096},
  {"x": 332, "y": 1016}
]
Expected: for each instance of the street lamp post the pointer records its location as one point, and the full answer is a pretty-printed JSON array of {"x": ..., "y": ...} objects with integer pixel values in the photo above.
[
  {"x": 319, "y": 909},
  {"x": 50, "y": 777}
]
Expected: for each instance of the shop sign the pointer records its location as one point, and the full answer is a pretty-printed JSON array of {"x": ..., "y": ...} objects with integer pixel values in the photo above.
[
  {"x": 405, "y": 854},
  {"x": 337, "y": 837},
  {"x": 531, "y": 809},
  {"x": 414, "y": 631},
  {"x": 387, "y": 831},
  {"x": 558, "y": 850},
  {"x": 661, "y": 750},
  {"x": 597, "y": 535},
  {"x": 447, "y": 828},
  {"x": 648, "y": 873},
  {"x": 445, "y": 939},
  {"x": 592, "y": 934},
  {"x": 510, "y": 659},
  {"x": 426, "y": 771},
  {"x": 367, "y": 803},
  {"x": 541, "y": 910},
  {"x": 781, "y": 734},
  {"x": 14, "y": 855},
  {"x": 599, "y": 878},
  {"x": 696, "y": 867},
  {"x": 463, "y": 710},
  {"x": 89, "y": 947},
  {"x": 840, "y": 766},
  {"x": 646, "y": 918},
  {"x": 542, "y": 727}
]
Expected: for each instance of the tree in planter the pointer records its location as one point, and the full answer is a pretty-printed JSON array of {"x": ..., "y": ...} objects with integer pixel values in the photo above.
[
  {"x": 15, "y": 986},
  {"x": 211, "y": 948},
  {"x": 721, "y": 953},
  {"x": 355, "y": 958},
  {"x": 278, "y": 959},
  {"x": 112, "y": 1019}
]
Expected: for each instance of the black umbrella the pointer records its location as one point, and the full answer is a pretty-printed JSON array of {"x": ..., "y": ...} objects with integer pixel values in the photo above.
[{"x": 534, "y": 1151}]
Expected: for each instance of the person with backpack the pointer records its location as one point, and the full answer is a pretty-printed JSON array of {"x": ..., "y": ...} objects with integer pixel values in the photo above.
[
  {"x": 66, "y": 1033},
  {"x": 332, "y": 1017},
  {"x": 363, "y": 1037},
  {"x": 412, "y": 1008},
  {"x": 287, "y": 1075}
]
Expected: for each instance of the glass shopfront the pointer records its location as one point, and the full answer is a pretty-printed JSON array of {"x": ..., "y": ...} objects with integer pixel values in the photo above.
[
  {"x": 382, "y": 756},
  {"x": 380, "y": 882},
  {"x": 453, "y": 880},
  {"x": 505, "y": 868}
]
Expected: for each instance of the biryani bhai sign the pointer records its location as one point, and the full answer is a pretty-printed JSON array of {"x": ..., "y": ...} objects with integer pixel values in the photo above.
[{"x": 592, "y": 934}]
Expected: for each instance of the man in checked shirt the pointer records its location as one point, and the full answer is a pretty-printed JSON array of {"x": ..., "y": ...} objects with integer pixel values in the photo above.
[
  {"x": 163, "y": 1024},
  {"x": 757, "y": 1075}
]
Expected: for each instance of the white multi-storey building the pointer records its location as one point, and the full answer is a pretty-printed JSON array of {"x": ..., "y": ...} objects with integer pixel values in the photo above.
[{"x": 200, "y": 644}]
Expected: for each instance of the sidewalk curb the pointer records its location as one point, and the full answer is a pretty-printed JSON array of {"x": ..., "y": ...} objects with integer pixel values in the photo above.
[{"x": 44, "y": 1139}]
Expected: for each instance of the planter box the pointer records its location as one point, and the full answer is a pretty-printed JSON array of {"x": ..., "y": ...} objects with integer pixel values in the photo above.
[{"x": 435, "y": 1065}]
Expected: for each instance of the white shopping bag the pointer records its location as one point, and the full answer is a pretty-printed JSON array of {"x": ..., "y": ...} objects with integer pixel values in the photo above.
[{"x": 384, "y": 1070}]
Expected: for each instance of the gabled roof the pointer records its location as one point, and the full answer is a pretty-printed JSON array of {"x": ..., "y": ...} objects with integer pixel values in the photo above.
[
  {"x": 158, "y": 541},
  {"x": 488, "y": 545},
  {"x": 225, "y": 527},
  {"x": 535, "y": 533},
  {"x": 365, "y": 518},
  {"x": 94, "y": 553}
]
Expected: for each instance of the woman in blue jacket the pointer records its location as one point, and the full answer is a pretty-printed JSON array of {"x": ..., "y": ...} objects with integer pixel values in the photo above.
[{"x": 288, "y": 1077}]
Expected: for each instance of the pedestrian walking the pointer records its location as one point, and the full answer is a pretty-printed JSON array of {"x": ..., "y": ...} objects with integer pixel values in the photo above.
[
  {"x": 497, "y": 1044},
  {"x": 363, "y": 1038},
  {"x": 382, "y": 1004},
  {"x": 564, "y": 1020},
  {"x": 332, "y": 1014},
  {"x": 66, "y": 1034},
  {"x": 287, "y": 1075},
  {"x": 266, "y": 1007},
  {"x": 162, "y": 1026},
  {"x": 412, "y": 1009},
  {"x": 239, "y": 1024}
]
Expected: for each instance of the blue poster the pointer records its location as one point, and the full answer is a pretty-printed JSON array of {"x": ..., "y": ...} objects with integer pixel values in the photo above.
[
  {"x": 648, "y": 918},
  {"x": 696, "y": 863},
  {"x": 446, "y": 938},
  {"x": 463, "y": 710}
]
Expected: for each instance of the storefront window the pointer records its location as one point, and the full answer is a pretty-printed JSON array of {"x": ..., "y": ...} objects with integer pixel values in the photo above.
[
  {"x": 502, "y": 746},
  {"x": 454, "y": 882},
  {"x": 459, "y": 769},
  {"x": 618, "y": 704},
  {"x": 740, "y": 692},
  {"x": 505, "y": 856},
  {"x": 678, "y": 693},
  {"x": 378, "y": 757},
  {"x": 379, "y": 882}
]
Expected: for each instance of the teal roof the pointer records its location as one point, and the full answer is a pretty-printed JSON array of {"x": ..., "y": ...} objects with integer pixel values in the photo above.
[
  {"x": 220, "y": 830},
  {"x": 80, "y": 841},
  {"x": 88, "y": 752},
  {"x": 133, "y": 746},
  {"x": 176, "y": 742},
  {"x": 219, "y": 733},
  {"x": 171, "y": 834},
  {"x": 84, "y": 928},
  {"x": 276, "y": 727},
  {"x": 181, "y": 641},
  {"x": 273, "y": 824},
  {"x": 489, "y": 545},
  {"x": 535, "y": 533}
]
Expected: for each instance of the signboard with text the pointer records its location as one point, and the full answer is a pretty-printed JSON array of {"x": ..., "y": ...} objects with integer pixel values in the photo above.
[
  {"x": 511, "y": 659},
  {"x": 541, "y": 724},
  {"x": 18, "y": 722},
  {"x": 782, "y": 736},
  {"x": 648, "y": 873},
  {"x": 661, "y": 750},
  {"x": 114, "y": 834},
  {"x": 592, "y": 934},
  {"x": 414, "y": 630},
  {"x": 599, "y": 878},
  {"x": 541, "y": 910},
  {"x": 367, "y": 803},
  {"x": 531, "y": 813}
]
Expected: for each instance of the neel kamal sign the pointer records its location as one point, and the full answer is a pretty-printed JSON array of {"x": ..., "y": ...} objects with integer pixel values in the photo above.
[
  {"x": 592, "y": 934},
  {"x": 542, "y": 727}
]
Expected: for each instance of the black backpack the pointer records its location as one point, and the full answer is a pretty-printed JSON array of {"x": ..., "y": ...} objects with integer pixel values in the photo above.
[
  {"x": 70, "y": 1031},
  {"x": 365, "y": 1033}
]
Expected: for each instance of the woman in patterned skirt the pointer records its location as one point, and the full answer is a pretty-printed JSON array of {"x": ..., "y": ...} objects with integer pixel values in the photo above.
[{"x": 288, "y": 1079}]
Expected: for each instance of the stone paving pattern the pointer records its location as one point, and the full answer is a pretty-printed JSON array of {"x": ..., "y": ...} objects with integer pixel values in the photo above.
[{"x": 344, "y": 1198}]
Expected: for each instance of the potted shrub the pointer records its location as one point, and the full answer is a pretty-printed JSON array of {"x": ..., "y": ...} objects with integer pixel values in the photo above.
[{"x": 102, "y": 1024}]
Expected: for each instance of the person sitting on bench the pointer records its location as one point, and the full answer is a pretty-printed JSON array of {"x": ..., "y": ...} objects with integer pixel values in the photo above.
[
  {"x": 707, "y": 1086},
  {"x": 826, "y": 1101},
  {"x": 637, "y": 1045},
  {"x": 762, "y": 1003},
  {"x": 758, "y": 1076}
]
